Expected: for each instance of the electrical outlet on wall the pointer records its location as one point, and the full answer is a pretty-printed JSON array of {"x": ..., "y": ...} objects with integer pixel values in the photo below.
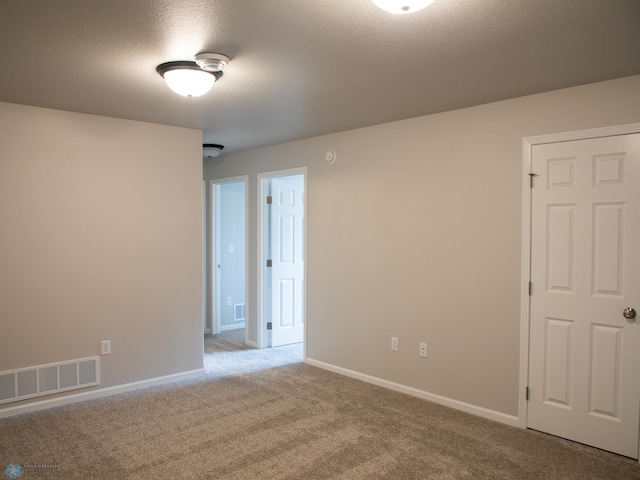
[
  {"x": 394, "y": 344},
  {"x": 228, "y": 301},
  {"x": 105, "y": 347},
  {"x": 423, "y": 350}
]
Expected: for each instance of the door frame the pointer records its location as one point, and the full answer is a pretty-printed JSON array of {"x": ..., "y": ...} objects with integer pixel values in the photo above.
[
  {"x": 205, "y": 258},
  {"x": 263, "y": 237},
  {"x": 525, "y": 300},
  {"x": 213, "y": 250}
]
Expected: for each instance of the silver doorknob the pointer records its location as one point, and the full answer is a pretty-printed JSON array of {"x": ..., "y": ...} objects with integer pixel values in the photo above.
[{"x": 629, "y": 313}]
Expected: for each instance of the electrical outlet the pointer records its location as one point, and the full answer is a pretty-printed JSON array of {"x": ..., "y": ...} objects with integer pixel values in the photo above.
[
  {"x": 231, "y": 248},
  {"x": 228, "y": 301},
  {"x": 105, "y": 347},
  {"x": 423, "y": 350},
  {"x": 394, "y": 344}
]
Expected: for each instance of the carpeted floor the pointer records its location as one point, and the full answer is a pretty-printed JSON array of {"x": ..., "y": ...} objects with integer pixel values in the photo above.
[
  {"x": 226, "y": 355},
  {"x": 228, "y": 341},
  {"x": 265, "y": 415}
]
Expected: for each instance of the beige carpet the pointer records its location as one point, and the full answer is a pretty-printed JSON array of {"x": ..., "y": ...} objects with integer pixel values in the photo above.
[
  {"x": 290, "y": 421},
  {"x": 228, "y": 341}
]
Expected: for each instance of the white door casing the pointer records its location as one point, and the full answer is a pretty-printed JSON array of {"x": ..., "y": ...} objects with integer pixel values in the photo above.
[
  {"x": 287, "y": 256},
  {"x": 584, "y": 356}
]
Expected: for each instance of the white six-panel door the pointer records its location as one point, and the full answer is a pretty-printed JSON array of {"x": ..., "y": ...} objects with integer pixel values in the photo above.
[
  {"x": 287, "y": 271},
  {"x": 584, "y": 365}
]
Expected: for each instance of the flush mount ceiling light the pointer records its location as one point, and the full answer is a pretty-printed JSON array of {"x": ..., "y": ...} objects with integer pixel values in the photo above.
[
  {"x": 191, "y": 79},
  {"x": 402, "y": 6},
  {"x": 187, "y": 78},
  {"x": 211, "y": 150}
]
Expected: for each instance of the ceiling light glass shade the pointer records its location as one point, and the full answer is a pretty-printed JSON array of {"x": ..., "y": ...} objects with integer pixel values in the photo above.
[
  {"x": 402, "y": 6},
  {"x": 187, "y": 79},
  {"x": 211, "y": 150},
  {"x": 189, "y": 83}
]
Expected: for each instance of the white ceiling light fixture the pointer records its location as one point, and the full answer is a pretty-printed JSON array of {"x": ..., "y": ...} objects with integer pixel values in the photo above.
[
  {"x": 187, "y": 78},
  {"x": 192, "y": 79},
  {"x": 402, "y": 6},
  {"x": 211, "y": 150}
]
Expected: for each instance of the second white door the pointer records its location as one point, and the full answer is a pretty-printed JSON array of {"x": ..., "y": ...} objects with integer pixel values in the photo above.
[{"x": 287, "y": 256}]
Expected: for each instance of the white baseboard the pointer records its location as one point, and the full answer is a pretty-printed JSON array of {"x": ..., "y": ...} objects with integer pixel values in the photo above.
[
  {"x": 99, "y": 393},
  {"x": 235, "y": 326},
  {"x": 448, "y": 402}
]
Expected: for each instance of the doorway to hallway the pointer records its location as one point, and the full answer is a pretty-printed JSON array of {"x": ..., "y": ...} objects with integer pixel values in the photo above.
[{"x": 228, "y": 292}]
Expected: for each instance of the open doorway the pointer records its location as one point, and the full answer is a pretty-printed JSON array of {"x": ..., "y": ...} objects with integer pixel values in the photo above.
[
  {"x": 281, "y": 264},
  {"x": 228, "y": 257}
]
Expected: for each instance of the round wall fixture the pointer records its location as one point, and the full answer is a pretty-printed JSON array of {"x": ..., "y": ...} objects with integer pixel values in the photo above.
[{"x": 330, "y": 156}]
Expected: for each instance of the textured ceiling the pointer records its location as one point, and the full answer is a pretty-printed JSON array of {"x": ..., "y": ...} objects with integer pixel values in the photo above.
[{"x": 302, "y": 68}]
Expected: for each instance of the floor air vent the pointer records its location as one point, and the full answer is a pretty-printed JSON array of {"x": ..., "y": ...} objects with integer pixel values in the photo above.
[{"x": 16, "y": 385}]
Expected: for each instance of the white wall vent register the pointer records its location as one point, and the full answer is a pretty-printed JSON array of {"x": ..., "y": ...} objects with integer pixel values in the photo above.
[
  {"x": 20, "y": 384},
  {"x": 239, "y": 314}
]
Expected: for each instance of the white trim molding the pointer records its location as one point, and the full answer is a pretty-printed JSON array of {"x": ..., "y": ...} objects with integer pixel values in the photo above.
[
  {"x": 527, "y": 146},
  {"x": 432, "y": 397}
]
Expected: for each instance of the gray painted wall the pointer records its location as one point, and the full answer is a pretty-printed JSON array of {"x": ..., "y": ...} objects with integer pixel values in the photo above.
[
  {"x": 100, "y": 239},
  {"x": 415, "y": 232}
]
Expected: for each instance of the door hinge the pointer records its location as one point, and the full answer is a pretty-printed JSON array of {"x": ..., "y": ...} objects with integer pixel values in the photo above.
[
  {"x": 531, "y": 175},
  {"x": 269, "y": 200},
  {"x": 526, "y": 393},
  {"x": 269, "y": 263},
  {"x": 530, "y": 288}
]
